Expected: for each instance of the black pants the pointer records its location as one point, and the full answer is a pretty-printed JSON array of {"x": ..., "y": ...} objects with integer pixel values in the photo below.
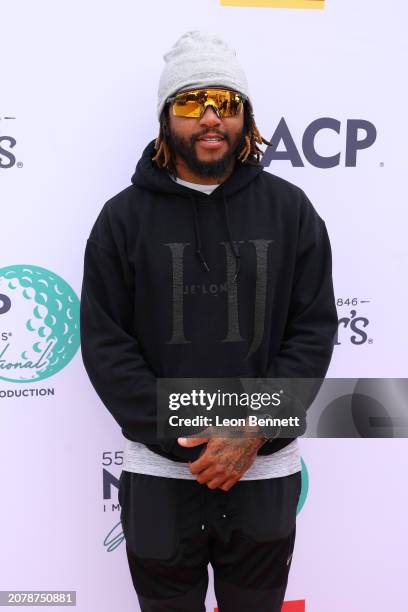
[{"x": 174, "y": 527}]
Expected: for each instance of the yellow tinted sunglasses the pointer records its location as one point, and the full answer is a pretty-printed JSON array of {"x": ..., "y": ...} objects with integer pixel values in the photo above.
[{"x": 225, "y": 102}]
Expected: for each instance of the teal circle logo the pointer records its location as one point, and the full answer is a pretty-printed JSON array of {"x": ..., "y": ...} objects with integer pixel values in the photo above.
[
  {"x": 39, "y": 323},
  {"x": 305, "y": 487}
]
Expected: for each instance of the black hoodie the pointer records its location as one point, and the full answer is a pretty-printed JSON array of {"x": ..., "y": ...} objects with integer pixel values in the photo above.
[{"x": 179, "y": 284}]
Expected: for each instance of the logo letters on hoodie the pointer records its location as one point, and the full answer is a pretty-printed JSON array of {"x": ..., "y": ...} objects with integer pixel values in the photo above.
[{"x": 233, "y": 333}]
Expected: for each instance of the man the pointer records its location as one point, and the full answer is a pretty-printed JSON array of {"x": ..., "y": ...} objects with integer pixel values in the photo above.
[{"x": 206, "y": 266}]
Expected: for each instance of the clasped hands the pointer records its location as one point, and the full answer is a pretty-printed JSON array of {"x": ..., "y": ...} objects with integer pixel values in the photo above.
[{"x": 225, "y": 459}]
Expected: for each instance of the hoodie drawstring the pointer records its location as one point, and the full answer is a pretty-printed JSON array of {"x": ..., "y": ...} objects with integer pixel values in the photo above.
[
  {"x": 198, "y": 235},
  {"x": 233, "y": 244}
]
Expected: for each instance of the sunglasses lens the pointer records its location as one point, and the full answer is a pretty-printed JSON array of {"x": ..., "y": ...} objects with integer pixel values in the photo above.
[
  {"x": 229, "y": 107},
  {"x": 187, "y": 107},
  {"x": 194, "y": 103}
]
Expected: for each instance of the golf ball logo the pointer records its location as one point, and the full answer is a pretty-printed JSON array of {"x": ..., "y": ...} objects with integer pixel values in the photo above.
[{"x": 39, "y": 323}]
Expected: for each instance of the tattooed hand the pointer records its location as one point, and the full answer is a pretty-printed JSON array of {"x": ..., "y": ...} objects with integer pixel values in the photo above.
[{"x": 224, "y": 460}]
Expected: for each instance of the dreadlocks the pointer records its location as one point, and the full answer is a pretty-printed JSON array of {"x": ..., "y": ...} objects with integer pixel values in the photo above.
[{"x": 249, "y": 154}]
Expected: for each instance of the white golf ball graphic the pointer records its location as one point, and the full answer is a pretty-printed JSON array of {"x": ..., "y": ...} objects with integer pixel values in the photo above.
[{"x": 39, "y": 323}]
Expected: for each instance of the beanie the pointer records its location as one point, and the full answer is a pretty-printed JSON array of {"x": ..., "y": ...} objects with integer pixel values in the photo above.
[{"x": 200, "y": 59}]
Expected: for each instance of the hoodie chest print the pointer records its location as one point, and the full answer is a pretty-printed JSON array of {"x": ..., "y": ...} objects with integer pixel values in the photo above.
[{"x": 176, "y": 251}]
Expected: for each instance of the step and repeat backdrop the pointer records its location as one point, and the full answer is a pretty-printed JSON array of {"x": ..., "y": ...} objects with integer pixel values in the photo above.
[{"x": 78, "y": 87}]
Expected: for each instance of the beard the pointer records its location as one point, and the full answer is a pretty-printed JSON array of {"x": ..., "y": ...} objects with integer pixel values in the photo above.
[{"x": 216, "y": 168}]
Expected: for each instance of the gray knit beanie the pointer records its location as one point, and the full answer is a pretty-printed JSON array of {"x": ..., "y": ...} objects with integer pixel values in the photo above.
[{"x": 200, "y": 59}]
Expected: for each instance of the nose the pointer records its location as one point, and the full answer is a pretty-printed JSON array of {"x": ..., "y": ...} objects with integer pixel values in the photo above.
[{"x": 209, "y": 117}]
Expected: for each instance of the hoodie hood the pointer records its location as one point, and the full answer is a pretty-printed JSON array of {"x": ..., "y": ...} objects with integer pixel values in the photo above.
[{"x": 149, "y": 176}]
